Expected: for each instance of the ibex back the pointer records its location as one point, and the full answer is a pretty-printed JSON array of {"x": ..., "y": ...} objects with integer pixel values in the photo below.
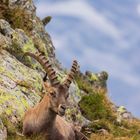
[{"x": 45, "y": 117}]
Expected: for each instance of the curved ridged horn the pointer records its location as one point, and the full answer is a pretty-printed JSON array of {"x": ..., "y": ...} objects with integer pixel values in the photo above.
[
  {"x": 45, "y": 63},
  {"x": 71, "y": 74}
]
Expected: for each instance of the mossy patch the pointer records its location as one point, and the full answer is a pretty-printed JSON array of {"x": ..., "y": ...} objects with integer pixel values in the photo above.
[
  {"x": 17, "y": 17},
  {"x": 10, "y": 104},
  {"x": 84, "y": 85},
  {"x": 40, "y": 46},
  {"x": 29, "y": 47},
  {"x": 115, "y": 131},
  {"x": 93, "y": 107}
]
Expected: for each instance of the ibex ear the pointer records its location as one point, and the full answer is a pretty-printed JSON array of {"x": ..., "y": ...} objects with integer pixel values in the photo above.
[{"x": 47, "y": 86}]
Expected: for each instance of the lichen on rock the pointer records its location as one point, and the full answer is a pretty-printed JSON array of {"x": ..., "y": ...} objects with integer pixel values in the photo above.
[{"x": 19, "y": 90}]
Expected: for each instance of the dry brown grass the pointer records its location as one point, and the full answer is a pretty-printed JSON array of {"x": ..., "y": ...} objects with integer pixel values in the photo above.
[{"x": 107, "y": 137}]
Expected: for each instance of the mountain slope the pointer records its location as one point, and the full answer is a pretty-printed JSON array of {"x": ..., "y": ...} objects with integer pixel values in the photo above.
[{"x": 21, "y": 80}]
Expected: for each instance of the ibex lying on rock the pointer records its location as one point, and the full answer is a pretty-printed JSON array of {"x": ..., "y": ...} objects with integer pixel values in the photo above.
[{"x": 45, "y": 118}]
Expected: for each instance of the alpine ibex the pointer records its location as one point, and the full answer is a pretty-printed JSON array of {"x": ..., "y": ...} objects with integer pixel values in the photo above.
[{"x": 45, "y": 118}]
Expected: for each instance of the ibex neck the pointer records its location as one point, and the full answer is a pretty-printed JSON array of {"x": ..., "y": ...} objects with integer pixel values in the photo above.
[
  {"x": 50, "y": 121},
  {"x": 46, "y": 116}
]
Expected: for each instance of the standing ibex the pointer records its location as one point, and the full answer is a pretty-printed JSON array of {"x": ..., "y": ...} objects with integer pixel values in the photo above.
[{"x": 45, "y": 118}]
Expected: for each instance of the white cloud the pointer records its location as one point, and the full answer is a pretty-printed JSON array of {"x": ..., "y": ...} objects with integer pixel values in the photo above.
[
  {"x": 134, "y": 106},
  {"x": 138, "y": 9},
  {"x": 116, "y": 66},
  {"x": 81, "y": 10}
]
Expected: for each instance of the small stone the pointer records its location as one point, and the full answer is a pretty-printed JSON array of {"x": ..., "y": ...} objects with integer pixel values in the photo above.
[{"x": 103, "y": 131}]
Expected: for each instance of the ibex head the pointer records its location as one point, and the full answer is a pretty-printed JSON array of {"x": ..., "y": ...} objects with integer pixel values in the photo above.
[
  {"x": 58, "y": 99},
  {"x": 57, "y": 92}
]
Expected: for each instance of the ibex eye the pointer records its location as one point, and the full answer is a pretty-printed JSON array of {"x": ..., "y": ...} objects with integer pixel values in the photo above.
[
  {"x": 53, "y": 94},
  {"x": 67, "y": 95}
]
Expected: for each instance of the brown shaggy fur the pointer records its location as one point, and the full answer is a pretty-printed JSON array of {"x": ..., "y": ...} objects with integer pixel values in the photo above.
[{"x": 43, "y": 119}]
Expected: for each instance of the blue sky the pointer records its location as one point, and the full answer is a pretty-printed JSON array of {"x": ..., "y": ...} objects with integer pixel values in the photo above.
[{"x": 101, "y": 35}]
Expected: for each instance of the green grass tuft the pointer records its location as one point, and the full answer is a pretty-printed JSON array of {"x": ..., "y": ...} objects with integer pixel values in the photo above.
[{"x": 93, "y": 107}]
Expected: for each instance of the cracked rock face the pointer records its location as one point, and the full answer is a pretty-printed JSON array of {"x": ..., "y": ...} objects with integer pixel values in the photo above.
[{"x": 18, "y": 90}]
